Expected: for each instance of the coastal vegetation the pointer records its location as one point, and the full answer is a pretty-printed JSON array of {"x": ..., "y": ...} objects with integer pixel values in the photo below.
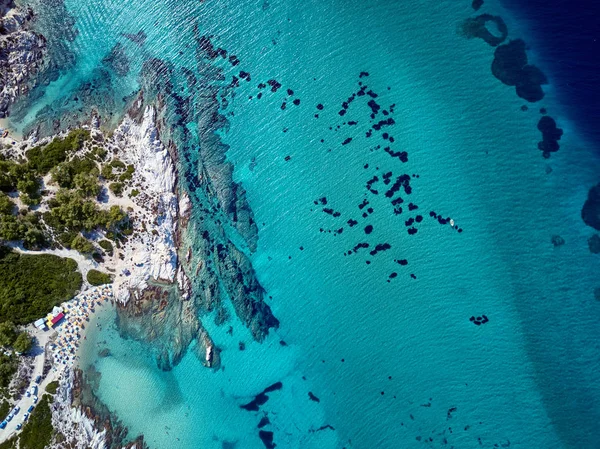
[
  {"x": 10, "y": 337},
  {"x": 8, "y": 367},
  {"x": 52, "y": 387},
  {"x": 31, "y": 285},
  {"x": 79, "y": 173},
  {"x": 38, "y": 431},
  {"x": 96, "y": 277}
]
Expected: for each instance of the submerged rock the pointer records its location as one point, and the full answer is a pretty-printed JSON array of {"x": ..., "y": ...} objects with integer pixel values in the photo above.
[{"x": 22, "y": 57}]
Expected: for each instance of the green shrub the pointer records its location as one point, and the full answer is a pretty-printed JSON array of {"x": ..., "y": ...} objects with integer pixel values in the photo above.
[
  {"x": 37, "y": 432},
  {"x": 134, "y": 193},
  {"x": 23, "y": 343},
  {"x": 52, "y": 387},
  {"x": 26, "y": 227},
  {"x": 4, "y": 409},
  {"x": 106, "y": 246},
  {"x": 116, "y": 188},
  {"x": 43, "y": 159},
  {"x": 66, "y": 238},
  {"x": 8, "y": 368},
  {"x": 31, "y": 285},
  {"x": 64, "y": 173},
  {"x": 10, "y": 443},
  {"x": 128, "y": 174},
  {"x": 99, "y": 153},
  {"x": 87, "y": 183},
  {"x": 83, "y": 245},
  {"x": 6, "y": 205},
  {"x": 96, "y": 277}
]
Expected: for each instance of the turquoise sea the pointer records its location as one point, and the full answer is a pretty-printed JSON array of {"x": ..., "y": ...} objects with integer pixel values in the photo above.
[{"x": 369, "y": 363}]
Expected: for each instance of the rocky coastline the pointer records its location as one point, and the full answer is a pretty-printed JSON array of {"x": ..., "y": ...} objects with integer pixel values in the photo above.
[
  {"x": 193, "y": 232},
  {"x": 22, "y": 54}
]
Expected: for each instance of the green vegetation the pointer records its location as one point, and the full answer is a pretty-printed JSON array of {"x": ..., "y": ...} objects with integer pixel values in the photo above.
[
  {"x": 99, "y": 153},
  {"x": 37, "y": 433},
  {"x": 8, "y": 367},
  {"x": 9, "y": 444},
  {"x": 87, "y": 183},
  {"x": 52, "y": 387},
  {"x": 96, "y": 277},
  {"x": 23, "y": 227},
  {"x": 83, "y": 245},
  {"x": 31, "y": 285},
  {"x": 6, "y": 205},
  {"x": 128, "y": 174},
  {"x": 64, "y": 173},
  {"x": 115, "y": 169},
  {"x": 43, "y": 159},
  {"x": 106, "y": 246},
  {"x": 11, "y": 338},
  {"x": 4, "y": 409},
  {"x": 72, "y": 210},
  {"x": 134, "y": 193},
  {"x": 116, "y": 188},
  {"x": 69, "y": 211},
  {"x": 23, "y": 343},
  {"x": 8, "y": 333}
]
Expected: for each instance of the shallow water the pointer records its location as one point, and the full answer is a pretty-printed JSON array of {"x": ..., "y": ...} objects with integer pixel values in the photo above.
[{"x": 394, "y": 364}]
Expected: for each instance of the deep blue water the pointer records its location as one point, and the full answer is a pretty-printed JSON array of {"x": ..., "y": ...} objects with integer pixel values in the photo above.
[{"x": 566, "y": 37}]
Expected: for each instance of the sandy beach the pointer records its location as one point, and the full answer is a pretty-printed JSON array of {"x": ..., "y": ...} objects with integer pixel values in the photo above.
[{"x": 72, "y": 329}]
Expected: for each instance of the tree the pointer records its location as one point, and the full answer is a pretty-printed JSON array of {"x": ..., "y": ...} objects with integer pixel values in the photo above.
[
  {"x": 83, "y": 245},
  {"x": 96, "y": 277},
  {"x": 62, "y": 175},
  {"x": 6, "y": 205},
  {"x": 33, "y": 238},
  {"x": 87, "y": 183},
  {"x": 23, "y": 343},
  {"x": 8, "y": 333},
  {"x": 11, "y": 228},
  {"x": 28, "y": 184},
  {"x": 116, "y": 188}
]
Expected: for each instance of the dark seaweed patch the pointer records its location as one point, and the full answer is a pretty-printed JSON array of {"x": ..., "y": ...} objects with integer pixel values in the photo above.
[
  {"x": 510, "y": 66},
  {"x": 551, "y": 134},
  {"x": 477, "y": 27}
]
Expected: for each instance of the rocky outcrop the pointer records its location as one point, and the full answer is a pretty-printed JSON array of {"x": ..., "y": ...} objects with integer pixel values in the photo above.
[
  {"x": 22, "y": 56},
  {"x": 81, "y": 421},
  {"x": 151, "y": 253}
]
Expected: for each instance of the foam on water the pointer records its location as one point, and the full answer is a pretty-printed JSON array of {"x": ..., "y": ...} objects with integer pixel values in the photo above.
[{"x": 392, "y": 363}]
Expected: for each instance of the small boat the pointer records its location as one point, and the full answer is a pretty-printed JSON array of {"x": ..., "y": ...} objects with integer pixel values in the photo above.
[{"x": 5, "y": 133}]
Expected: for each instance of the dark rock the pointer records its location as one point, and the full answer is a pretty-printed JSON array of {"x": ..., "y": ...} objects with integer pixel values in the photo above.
[
  {"x": 312, "y": 397},
  {"x": 476, "y": 4}
]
